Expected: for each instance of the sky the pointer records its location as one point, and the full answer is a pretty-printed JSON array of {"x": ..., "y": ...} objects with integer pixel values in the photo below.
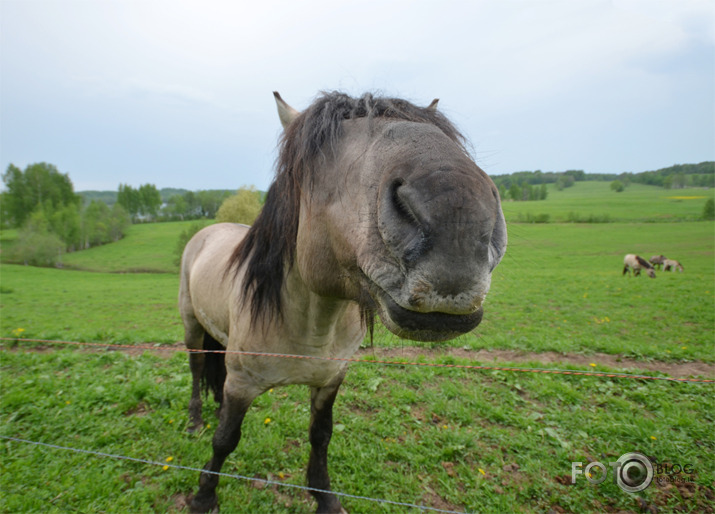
[{"x": 179, "y": 93}]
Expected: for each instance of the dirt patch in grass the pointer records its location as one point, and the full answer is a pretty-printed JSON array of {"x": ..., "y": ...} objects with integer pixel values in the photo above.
[
  {"x": 677, "y": 370},
  {"x": 411, "y": 353}
]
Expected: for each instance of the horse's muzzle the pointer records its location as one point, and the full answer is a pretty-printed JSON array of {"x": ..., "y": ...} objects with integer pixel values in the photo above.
[{"x": 425, "y": 326}]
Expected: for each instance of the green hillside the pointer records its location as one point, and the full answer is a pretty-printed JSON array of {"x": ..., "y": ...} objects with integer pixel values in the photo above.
[{"x": 596, "y": 202}]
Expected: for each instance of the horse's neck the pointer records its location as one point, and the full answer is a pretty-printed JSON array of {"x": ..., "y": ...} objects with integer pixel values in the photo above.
[{"x": 316, "y": 320}]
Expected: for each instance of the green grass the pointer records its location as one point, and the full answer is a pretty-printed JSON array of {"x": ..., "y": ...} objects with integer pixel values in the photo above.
[
  {"x": 638, "y": 203},
  {"x": 454, "y": 439},
  {"x": 559, "y": 288},
  {"x": 486, "y": 442},
  {"x": 146, "y": 248},
  {"x": 82, "y": 306}
]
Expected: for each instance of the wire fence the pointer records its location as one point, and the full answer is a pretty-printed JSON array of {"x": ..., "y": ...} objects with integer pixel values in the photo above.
[
  {"x": 474, "y": 367},
  {"x": 227, "y": 475}
]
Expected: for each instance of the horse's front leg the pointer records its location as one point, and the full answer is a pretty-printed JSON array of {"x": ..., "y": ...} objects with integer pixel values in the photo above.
[
  {"x": 228, "y": 433},
  {"x": 321, "y": 430}
]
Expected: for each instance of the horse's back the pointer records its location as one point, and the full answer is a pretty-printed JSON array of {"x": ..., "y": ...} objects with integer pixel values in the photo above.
[{"x": 204, "y": 294}]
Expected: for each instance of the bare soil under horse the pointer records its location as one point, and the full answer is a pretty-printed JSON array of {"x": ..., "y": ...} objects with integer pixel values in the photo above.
[{"x": 376, "y": 209}]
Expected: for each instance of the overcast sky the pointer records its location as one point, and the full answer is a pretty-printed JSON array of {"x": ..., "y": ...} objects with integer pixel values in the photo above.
[{"x": 178, "y": 93}]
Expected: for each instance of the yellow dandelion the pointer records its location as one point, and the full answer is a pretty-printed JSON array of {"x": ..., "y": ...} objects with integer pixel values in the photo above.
[
  {"x": 653, "y": 437},
  {"x": 171, "y": 421},
  {"x": 482, "y": 472},
  {"x": 208, "y": 426},
  {"x": 165, "y": 468},
  {"x": 281, "y": 475},
  {"x": 445, "y": 426},
  {"x": 266, "y": 421},
  {"x": 67, "y": 402},
  {"x": 169, "y": 459},
  {"x": 593, "y": 364},
  {"x": 270, "y": 390}
]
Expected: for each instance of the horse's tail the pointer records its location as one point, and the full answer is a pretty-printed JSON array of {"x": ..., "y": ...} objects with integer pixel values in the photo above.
[{"x": 214, "y": 368}]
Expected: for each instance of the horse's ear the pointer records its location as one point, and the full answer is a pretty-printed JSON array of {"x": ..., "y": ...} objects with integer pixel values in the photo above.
[
  {"x": 433, "y": 105},
  {"x": 285, "y": 112}
]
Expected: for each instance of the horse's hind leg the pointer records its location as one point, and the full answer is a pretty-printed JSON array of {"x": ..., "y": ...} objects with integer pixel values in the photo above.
[
  {"x": 194, "y": 340},
  {"x": 321, "y": 430}
]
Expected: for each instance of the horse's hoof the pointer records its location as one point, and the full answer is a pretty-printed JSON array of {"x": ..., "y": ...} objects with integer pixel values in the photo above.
[
  {"x": 331, "y": 510},
  {"x": 202, "y": 506}
]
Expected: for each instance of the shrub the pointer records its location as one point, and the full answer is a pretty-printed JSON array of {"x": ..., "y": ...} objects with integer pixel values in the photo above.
[
  {"x": 709, "y": 210},
  {"x": 243, "y": 207},
  {"x": 38, "y": 248},
  {"x": 617, "y": 186}
]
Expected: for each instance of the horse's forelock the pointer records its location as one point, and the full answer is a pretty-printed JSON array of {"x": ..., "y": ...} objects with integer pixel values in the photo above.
[{"x": 270, "y": 244}]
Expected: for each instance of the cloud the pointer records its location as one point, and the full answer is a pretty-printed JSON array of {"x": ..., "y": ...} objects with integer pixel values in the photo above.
[{"x": 195, "y": 78}]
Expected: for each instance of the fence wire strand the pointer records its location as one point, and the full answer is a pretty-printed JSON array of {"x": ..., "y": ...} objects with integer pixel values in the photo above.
[
  {"x": 308, "y": 357},
  {"x": 547, "y": 371},
  {"x": 227, "y": 475}
]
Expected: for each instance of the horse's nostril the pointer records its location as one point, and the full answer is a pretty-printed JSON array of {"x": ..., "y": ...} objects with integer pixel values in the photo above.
[
  {"x": 401, "y": 203},
  {"x": 408, "y": 233}
]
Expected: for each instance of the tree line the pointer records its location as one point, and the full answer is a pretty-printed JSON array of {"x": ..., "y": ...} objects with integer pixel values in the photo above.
[
  {"x": 520, "y": 186},
  {"x": 51, "y": 218}
]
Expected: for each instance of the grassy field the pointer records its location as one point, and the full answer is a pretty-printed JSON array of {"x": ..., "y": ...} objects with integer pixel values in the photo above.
[
  {"x": 559, "y": 288},
  {"x": 595, "y": 200},
  {"x": 477, "y": 441}
]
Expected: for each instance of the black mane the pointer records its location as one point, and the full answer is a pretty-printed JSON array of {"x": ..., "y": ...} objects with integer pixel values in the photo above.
[{"x": 270, "y": 244}]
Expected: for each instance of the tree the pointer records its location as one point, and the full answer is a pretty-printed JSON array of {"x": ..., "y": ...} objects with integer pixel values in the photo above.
[
  {"x": 515, "y": 192},
  {"x": 39, "y": 184},
  {"x": 243, "y": 207},
  {"x": 65, "y": 222},
  {"x": 101, "y": 225},
  {"x": 142, "y": 202},
  {"x": 617, "y": 186},
  {"x": 210, "y": 201},
  {"x": 128, "y": 197},
  {"x": 150, "y": 200},
  {"x": 177, "y": 207}
]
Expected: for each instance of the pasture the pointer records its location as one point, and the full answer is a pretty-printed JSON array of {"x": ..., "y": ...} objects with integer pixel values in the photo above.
[
  {"x": 595, "y": 201},
  {"x": 454, "y": 439}
]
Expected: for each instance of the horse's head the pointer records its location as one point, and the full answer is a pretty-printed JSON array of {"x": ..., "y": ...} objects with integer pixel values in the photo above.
[{"x": 395, "y": 214}]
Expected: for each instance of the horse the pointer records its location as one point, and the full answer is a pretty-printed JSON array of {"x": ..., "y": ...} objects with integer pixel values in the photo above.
[
  {"x": 376, "y": 209},
  {"x": 672, "y": 265},
  {"x": 637, "y": 263},
  {"x": 657, "y": 260}
]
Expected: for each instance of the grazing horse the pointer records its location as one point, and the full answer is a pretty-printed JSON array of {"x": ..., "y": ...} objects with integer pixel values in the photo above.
[
  {"x": 376, "y": 209},
  {"x": 672, "y": 265},
  {"x": 657, "y": 260},
  {"x": 637, "y": 263}
]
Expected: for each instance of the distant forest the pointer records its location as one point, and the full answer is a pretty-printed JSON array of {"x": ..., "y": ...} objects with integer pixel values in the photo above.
[
  {"x": 523, "y": 185},
  {"x": 110, "y": 197}
]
